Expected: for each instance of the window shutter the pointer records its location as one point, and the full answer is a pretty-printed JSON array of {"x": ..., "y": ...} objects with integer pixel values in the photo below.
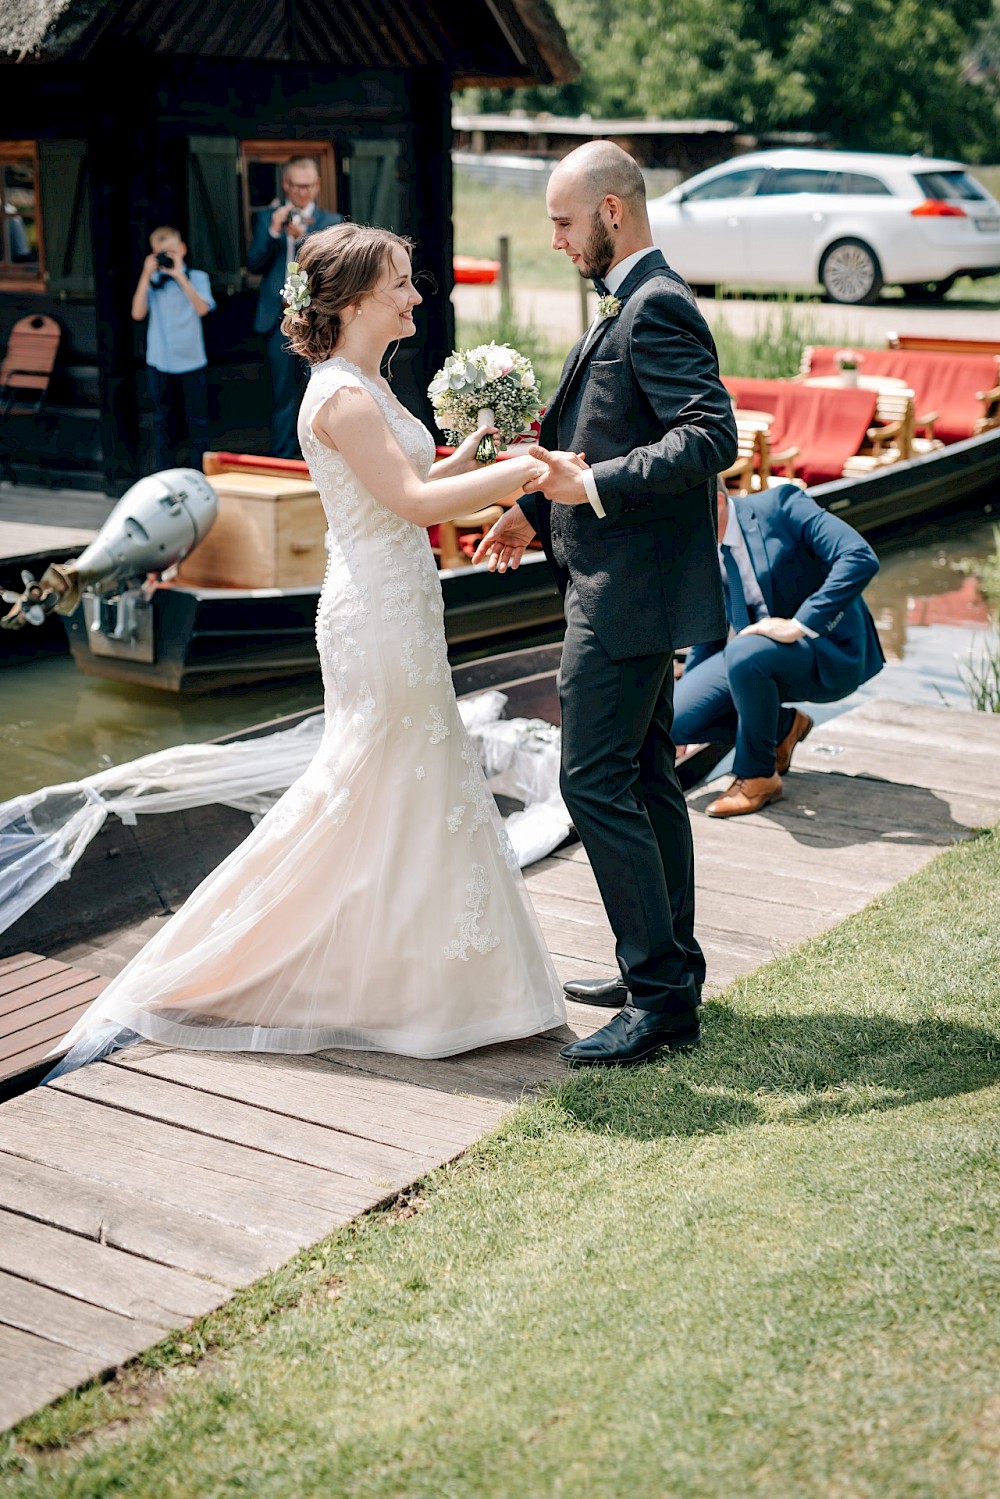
[
  {"x": 374, "y": 183},
  {"x": 64, "y": 198},
  {"x": 213, "y": 231}
]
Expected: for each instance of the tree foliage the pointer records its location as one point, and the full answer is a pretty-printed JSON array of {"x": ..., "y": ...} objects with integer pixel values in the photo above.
[{"x": 889, "y": 75}]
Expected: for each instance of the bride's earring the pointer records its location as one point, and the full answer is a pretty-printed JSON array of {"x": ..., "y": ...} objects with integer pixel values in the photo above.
[{"x": 358, "y": 311}]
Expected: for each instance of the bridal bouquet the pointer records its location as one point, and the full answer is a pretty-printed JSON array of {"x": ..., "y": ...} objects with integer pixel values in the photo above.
[{"x": 489, "y": 386}]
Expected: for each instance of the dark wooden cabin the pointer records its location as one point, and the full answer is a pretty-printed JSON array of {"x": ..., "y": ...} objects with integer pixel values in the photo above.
[{"x": 122, "y": 116}]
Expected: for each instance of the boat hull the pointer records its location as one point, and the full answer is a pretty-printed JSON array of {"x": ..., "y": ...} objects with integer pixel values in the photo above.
[{"x": 197, "y": 639}]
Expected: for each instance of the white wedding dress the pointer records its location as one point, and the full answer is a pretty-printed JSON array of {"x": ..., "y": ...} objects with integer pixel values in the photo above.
[{"x": 379, "y": 904}]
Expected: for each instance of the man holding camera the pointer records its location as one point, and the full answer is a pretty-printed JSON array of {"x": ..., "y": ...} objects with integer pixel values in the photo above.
[
  {"x": 277, "y": 233},
  {"x": 174, "y": 300}
]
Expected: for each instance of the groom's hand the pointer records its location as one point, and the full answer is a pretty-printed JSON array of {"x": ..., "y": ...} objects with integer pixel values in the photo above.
[
  {"x": 504, "y": 543},
  {"x": 563, "y": 482}
]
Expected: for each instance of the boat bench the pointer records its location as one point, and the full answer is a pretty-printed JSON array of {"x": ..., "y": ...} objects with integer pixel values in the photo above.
[
  {"x": 815, "y": 430},
  {"x": 958, "y": 395},
  {"x": 940, "y": 345}
]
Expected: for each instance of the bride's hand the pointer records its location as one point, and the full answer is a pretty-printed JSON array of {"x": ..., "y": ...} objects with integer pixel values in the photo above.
[{"x": 463, "y": 459}]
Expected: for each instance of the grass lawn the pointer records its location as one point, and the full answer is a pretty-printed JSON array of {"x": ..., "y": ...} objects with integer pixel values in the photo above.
[{"x": 769, "y": 1268}]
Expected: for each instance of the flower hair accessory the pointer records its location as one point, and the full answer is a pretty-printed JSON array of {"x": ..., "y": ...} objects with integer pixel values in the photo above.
[
  {"x": 295, "y": 292},
  {"x": 609, "y": 306}
]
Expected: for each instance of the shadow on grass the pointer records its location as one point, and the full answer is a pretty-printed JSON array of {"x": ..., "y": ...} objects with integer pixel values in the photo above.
[
  {"x": 821, "y": 809},
  {"x": 753, "y": 1070}
]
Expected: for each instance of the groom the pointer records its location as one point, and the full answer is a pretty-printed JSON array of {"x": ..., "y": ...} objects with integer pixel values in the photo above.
[{"x": 635, "y": 435}]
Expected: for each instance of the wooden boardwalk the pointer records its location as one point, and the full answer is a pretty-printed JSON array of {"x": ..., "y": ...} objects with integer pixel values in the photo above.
[{"x": 138, "y": 1194}]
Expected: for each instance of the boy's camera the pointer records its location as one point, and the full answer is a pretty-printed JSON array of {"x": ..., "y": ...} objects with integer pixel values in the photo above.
[{"x": 167, "y": 261}]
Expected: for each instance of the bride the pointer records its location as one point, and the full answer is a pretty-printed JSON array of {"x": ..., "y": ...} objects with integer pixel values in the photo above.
[{"x": 378, "y": 905}]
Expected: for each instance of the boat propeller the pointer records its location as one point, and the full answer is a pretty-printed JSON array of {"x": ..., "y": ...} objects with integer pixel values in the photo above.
[
  {"x": 155, "y": 525},
  {"x": 29, "y": 607}
]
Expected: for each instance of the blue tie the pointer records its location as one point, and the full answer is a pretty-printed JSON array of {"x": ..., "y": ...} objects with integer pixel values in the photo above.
[{"x": 736, "y": 603}]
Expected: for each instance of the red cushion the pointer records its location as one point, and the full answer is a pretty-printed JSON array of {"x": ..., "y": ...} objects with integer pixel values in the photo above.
[
  {"x": 827, "y": 426},
  {"x": 945, "y": 383}
]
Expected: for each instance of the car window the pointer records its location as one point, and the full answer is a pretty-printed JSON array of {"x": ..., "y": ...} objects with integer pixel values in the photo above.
[
  {"x": 945, "y": 185},
  {"x": 797, "y": 180},
  {"x": 860, "y": 182},
  {"x": 742, "y": 184}
]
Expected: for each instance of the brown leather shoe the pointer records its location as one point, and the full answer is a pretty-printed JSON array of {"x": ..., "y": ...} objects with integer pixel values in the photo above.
[
  {"x": 746, "y": 796},
  {"x": 801, "y": 725}
]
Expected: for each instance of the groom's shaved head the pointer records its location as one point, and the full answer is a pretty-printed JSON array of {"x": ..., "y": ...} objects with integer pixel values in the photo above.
[{"x": 600, "y": 168}]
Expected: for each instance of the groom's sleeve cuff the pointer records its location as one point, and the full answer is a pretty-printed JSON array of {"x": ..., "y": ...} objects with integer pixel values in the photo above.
[{"x": 590, "y": 485}]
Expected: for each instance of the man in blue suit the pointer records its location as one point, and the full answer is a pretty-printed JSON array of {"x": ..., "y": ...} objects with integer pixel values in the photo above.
[
  {"x": 800, "y": 631},
  {"x": 277, "y": 233}
]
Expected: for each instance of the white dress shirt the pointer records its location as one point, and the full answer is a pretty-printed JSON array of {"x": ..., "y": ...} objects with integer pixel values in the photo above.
[
  {"x": 736, "y": 542},
  {"x": 613, "y": 280}
]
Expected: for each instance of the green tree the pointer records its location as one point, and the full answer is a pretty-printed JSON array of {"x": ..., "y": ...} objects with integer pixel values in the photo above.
[{"x": 872, "y": 74}]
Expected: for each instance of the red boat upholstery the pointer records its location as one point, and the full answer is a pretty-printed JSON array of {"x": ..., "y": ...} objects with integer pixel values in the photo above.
[
  {"x": 954, "y": 387},
  {"x": 828, "y": 426}
]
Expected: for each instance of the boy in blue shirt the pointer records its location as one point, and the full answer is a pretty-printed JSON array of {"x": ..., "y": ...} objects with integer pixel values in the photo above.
[{"x": 175, "y": 300}]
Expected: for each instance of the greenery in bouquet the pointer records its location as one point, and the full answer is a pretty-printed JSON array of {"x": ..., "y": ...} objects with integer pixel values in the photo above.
[{"x": 490, "y": 385}]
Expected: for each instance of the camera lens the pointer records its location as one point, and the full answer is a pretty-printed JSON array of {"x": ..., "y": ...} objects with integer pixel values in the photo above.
[{"x": 164, "y": 259}]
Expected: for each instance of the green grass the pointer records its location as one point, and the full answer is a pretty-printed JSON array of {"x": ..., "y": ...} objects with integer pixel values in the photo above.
[{"x": 768, "y": 1270}]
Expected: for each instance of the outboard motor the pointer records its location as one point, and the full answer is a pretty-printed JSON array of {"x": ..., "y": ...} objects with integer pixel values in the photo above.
[{"x": 155, "y": 524}]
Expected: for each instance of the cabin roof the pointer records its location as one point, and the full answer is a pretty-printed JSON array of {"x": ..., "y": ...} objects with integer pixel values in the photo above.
[{"x": 491, "y": 42}]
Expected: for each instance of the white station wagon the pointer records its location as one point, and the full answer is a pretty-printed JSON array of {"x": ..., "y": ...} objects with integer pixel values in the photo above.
[{"x": 850, "y": 221}]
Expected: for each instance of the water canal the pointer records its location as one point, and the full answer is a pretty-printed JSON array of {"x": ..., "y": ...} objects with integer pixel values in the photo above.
[{"x": 57, "y": 725}]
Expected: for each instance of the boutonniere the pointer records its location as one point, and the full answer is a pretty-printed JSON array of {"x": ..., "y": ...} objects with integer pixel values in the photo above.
[{"x": 609, "y": 306}]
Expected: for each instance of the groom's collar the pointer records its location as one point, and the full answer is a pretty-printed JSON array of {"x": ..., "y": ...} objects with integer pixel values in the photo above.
[{"x": 619, "y": 274}]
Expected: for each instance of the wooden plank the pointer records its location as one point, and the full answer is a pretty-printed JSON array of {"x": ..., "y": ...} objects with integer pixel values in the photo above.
[
  {"x": 17, "y": 961},
  {"x": 317, "y": 1091},
  {"x": 33, "y": 981},
  {"x": 51, "y": 1013},
  {"x": 217, "y": 1118},
  {"x": 43, "y": 1371},
  {"x": 227, "y": 1183},
  {"x": 106, "y": 1277},
  {"x": 106, "y": 1336},
  {"x": 116, "y": 1214}
]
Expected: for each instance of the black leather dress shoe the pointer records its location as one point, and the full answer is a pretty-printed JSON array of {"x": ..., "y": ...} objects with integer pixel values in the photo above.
[
  {"x": 633, "y": 1036},
  {"x": 612, "y": 992}
]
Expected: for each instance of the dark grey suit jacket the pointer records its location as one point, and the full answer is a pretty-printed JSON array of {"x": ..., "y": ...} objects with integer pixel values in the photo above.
[
  {"x": 268, "y": 258},
  {"x": 645, "y": 404}
]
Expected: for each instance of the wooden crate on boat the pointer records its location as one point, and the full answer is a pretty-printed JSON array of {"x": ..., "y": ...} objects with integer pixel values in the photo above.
[{"x": 269, "y": 533}]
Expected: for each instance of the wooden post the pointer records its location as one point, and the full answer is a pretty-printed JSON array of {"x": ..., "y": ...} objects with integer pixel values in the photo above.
[
  {"x": 503, "y": 255},
  {"x": 585, "y": 317}
]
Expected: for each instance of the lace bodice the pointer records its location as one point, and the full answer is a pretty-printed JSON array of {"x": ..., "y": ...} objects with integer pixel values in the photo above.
[{"x": 411, "y": 434}]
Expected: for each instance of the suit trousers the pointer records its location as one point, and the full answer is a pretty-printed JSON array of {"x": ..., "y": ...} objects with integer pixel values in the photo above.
[
  {"x": 621, "y": 789},
  {"x": 288, "y": 383},
  {"x": 737, "y": 697}
]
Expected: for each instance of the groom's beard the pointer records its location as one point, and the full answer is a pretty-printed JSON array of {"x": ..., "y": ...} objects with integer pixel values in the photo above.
[{"x": 599, "y": 251}]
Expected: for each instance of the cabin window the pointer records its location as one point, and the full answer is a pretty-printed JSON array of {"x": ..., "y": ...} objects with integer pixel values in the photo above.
[
  {"x": 21, "y": 260},
  {"x": 260, "y": 167}
]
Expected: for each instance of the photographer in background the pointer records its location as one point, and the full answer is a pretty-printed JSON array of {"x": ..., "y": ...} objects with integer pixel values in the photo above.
[
  {"x": 174, "y": 300},
  {"x": 277, "y": 233}
]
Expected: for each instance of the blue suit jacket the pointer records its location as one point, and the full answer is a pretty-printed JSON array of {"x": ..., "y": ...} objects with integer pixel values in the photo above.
[
  {"x": 268, "y": 258},
  {"x": 813, "y": 567}
]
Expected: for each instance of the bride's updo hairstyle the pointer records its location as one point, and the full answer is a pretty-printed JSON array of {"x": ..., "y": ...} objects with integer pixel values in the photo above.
[{"x": 341, "y": 265}]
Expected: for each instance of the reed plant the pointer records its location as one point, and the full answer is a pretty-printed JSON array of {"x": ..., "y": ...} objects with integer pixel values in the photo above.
[{"x": 980, "y": 672}]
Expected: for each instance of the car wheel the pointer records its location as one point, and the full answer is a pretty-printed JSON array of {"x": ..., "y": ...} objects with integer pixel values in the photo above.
[
  {"x": 850, "y": 272},
  {"x": 928, "y": 291}
]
